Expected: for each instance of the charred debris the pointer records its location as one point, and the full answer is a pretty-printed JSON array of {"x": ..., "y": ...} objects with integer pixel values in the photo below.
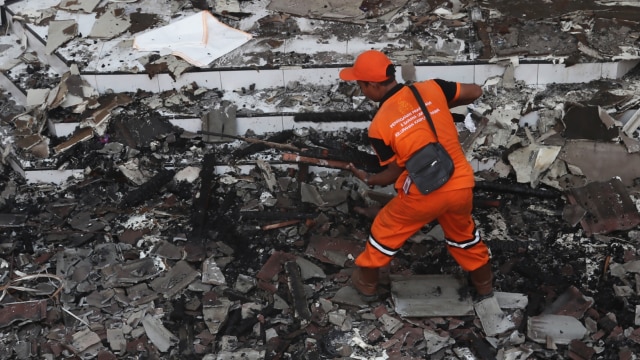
[
  {"x": 178, "y": 244},
  {"x": 175, "y": 244}
]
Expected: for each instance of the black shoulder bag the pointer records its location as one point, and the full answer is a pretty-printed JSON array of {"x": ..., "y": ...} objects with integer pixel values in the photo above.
[{"x": 431, "y": 166}]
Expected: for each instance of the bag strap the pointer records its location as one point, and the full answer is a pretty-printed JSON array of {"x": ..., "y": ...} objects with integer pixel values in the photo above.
[{"x": 424, "y": 108}]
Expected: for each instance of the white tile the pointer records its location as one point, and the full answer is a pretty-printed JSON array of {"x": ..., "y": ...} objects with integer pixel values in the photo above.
[
  {"x": 316, "y": 76},
  {"x": 233, "y": 80},
  {"x": 51, "y": 176},
  {"x": 610, "y": 70},
  {"x": 192, "y": 125},
  {"x": 357, "y": 45},
  {"x": 616, "y": 70},
  {"x": 458, "y": 73},
  {"x": 63, "y": 129},
  {"x": 483, "y": 72},
  {"x": 561, "y": 74},
  {"x": 126, "y": 83},
  {"x": 204, "y": 79},
  {"x": 527, "y": 73},
  {"x": 90, "y": 78},
  {"x": 260, "y": 124}
]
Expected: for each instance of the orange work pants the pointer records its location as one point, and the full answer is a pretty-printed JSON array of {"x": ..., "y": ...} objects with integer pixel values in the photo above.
[{"x": 405, "y": 214}]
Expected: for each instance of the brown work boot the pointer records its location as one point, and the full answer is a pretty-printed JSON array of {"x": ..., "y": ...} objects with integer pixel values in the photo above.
[
  {"x": 365, "y": 281},
  {"x": 482, "y": 280}
]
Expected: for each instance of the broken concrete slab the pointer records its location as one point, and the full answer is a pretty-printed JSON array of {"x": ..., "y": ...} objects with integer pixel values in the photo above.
[
  {"x": 429, "y": 295},
  {"x": 494, "y": 320}
]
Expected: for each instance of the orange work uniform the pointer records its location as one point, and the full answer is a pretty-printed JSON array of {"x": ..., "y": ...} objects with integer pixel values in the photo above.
[{"x": 399, "y": 129}]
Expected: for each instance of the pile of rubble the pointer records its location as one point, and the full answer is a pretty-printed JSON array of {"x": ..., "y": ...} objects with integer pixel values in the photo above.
[
  {"x": 172, "y": 243},
  {"x": 154, "y": 252}
]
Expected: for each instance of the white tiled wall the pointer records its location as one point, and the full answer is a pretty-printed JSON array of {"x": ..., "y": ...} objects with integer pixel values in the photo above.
[
  {"x": 319, "y": 76},
  {"x": 123, "y": 82},
  {"x": 459, "y": 73},
  {"x": 561, "y": 74},
  {"x": 615, "y": 70},
  {"x": 234, "y": 80},
  {"x": 484, "y": 72},
  {"x": 260, "y": 124},
  {"x": 208, "y": 79}
]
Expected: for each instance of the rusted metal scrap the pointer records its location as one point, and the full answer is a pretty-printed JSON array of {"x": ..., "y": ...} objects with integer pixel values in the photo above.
[
  {"x": 23, "y": 311},
  {"x": 607, "y": 207},
  {"x": 290, "y": 157},
  {"x": 519, "y": 189}
]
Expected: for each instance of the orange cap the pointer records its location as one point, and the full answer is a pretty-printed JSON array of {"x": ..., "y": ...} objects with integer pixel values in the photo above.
[{"x": 371, "y": 65}]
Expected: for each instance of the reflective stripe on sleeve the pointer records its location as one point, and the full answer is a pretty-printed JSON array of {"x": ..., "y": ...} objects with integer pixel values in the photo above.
[
  {"x": 467, "y": 243},
  {"x": 383, "y": 249}
]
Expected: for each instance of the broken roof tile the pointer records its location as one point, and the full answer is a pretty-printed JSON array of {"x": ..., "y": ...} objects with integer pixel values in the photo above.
[{"x": 608, "y": 207}]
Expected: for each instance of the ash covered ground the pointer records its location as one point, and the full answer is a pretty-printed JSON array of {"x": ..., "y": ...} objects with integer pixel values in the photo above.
[{"x": 176, "y": 210}]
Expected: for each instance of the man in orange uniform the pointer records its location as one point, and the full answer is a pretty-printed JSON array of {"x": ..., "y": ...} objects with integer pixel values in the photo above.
[{"x": 397, "y": 131}]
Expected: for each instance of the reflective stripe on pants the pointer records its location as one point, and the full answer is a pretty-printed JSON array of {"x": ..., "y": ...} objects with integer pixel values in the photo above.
[{"x": 407, "y": 213}]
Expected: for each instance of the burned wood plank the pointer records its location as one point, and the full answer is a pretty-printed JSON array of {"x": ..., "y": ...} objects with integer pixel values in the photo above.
[
  {"x": 200, "y": 205},
  {"x": 329, "y": 148},
  {"x": 296, "y": 287},
  {"x": 12, "y": 220},
  {"x": 484, "y": 37},
  {"x": 334, "y": 116},
  {"x": 362, "y": 160},
  {"x": 281, "y": 215},
  {"x": 280, "y": 138},
  {"x": 153, "y": 186},
  {"x": 518, "y": 189},
  {"x": 585, "y": 122}
]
